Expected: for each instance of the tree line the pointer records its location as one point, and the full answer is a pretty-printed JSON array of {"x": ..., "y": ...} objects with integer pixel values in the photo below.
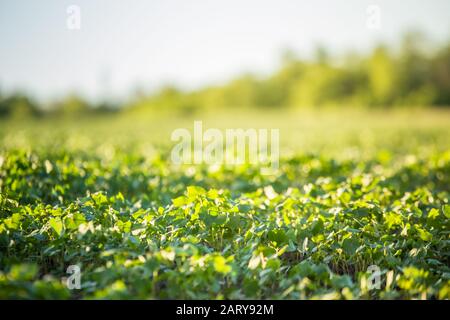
[{"x": 409, "y": 74}]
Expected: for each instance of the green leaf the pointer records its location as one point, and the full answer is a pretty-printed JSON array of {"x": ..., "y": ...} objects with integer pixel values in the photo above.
[{"x": 57, "y": 225}]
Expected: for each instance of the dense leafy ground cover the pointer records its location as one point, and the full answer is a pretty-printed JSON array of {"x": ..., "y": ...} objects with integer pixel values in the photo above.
[{"x": 140, "y": 227}]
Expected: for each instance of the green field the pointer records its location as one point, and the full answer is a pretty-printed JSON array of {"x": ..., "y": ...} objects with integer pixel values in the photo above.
[{"x": 354, "y": 188}]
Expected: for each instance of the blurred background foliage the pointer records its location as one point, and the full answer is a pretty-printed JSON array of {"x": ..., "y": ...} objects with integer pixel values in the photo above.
[{"x": 408, "y": 75}]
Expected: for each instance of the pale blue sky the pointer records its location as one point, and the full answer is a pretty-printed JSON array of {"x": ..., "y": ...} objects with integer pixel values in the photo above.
[{"x": 122, "y": 44}]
